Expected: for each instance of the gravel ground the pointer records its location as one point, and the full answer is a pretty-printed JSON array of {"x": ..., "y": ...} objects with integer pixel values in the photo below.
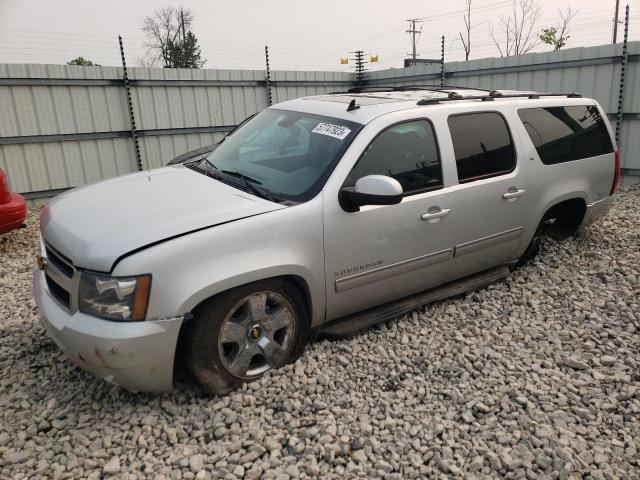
[{"x": 535, "y": 377}]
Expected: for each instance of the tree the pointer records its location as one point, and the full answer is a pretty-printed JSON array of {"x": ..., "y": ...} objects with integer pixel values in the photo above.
[
  {"x": 167, "y": 41},
  {"x": 558, "y": 36},
  {"x": 185, "y": 53},
  {"x": 83, "y": 62},
  {"x": 518, "y": 29},
  {"x": 467, "y": 24}
]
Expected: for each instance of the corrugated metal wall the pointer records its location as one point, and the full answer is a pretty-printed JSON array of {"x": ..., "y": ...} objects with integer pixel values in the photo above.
[
  {"x": 594, "y": 72},
  {"x": 63, "y": 126}
]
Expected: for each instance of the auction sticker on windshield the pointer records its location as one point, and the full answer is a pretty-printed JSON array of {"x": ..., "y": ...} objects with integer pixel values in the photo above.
[{"x": 335, "y": 131}]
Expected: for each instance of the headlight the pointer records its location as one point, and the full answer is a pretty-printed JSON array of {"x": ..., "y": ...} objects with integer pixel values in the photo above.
[{"x": 114, "y": 298}]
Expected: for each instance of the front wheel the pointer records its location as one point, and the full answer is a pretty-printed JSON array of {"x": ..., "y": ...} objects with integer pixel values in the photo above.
[{"x": 241, "y": 334}]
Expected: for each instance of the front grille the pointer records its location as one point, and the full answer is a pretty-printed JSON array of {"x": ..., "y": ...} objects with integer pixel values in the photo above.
[
  {"x": 59, "y": 275},
  {"x": 60, "y": 262},
  {"x": 59, "y": 293}
]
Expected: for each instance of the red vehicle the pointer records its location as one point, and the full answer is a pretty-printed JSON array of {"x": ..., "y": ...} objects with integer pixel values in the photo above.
[{"x": 13, "y": 207}]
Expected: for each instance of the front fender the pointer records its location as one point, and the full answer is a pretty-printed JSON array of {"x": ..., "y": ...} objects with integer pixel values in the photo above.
[{"x": 189, "y": 269}]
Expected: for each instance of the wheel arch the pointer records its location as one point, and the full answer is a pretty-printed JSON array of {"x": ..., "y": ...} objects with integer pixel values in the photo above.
[
  {"x": 568, "y": 213},
  {"x": 296, "y": 281},
  {"x": 296, "y": 275}
]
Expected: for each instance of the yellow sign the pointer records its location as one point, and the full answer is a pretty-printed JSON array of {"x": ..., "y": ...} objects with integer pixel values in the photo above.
[
  {"x": 344, "y": 61},
  {"x": 374, "y": 58}
]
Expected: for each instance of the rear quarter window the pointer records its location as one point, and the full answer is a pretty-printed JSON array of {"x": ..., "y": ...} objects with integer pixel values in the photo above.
[{"x": 565, "y": 134}]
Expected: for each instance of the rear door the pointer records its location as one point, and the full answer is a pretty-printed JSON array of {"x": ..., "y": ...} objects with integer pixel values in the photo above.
[{"x": 489, "y": 203}]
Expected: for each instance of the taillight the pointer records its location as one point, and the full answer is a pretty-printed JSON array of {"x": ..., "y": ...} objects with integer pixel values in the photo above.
[{"x": 616, "y": 173}]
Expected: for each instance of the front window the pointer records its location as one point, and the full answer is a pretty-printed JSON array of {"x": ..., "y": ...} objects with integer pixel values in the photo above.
[
  {"x": 288, "y": 154},
  {"x": 407, "y": 152}
]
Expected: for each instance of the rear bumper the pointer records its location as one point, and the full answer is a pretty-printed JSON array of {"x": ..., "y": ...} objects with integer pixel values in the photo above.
[
  {"x": 12, "y": 214},
  {"x": 597, "y": 210},
  {"x": 138, "y": 356}
]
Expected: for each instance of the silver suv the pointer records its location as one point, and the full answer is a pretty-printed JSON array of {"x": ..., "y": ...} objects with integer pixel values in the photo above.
[{"x": 324, "y": 214}]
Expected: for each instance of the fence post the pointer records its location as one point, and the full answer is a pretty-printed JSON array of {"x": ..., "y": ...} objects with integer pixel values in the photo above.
[
  {"x": 268, "y": 79},
  {"x": 360, "y": 79},
  {"x": 132, "y": 119},
  {"x": 623, "y": 68},
  {"x": 442, "y": 73}
]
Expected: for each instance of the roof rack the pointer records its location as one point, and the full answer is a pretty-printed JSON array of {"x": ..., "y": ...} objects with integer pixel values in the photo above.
[
  {"x": 407, "y": 88},
  {"x": 492, "y": 95}
]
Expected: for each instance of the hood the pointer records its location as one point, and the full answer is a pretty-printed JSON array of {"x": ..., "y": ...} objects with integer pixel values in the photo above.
[{"x": 95, "y": 225}]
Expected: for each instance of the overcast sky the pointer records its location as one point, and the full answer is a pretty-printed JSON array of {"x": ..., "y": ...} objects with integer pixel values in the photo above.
[{"x": 302, "y": 35}]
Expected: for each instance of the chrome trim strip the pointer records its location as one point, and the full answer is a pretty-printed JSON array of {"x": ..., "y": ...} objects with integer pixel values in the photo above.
[
  {"x": 489, "y": 241},
  {"x": 59, "y": 256},
  {"x": 57, "y": 276},
  {"x": 70, "y": 284},
  {"x": 382, "y": 273}
]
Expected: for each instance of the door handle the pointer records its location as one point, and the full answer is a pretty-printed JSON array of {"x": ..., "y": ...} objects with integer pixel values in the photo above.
[
  {"x": 513, "y": 193},
  {"x": 434, "y": 214}
]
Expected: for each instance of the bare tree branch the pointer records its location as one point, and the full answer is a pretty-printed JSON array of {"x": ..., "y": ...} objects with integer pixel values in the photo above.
[
  {"x": 495, "y": 41},
  {"x": 467, "y": 24},
  {"x": 557, "y": 36},
  {"x": 162, "y": 30},
  {"x": 566, "y": 17},
  {"x": 518, "y": 30}
]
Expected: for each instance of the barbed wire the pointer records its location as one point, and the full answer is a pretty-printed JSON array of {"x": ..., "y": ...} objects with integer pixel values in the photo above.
[{"x": 36, "y": 46}]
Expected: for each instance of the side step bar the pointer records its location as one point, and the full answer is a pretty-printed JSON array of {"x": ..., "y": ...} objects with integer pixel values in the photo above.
[{"x": 350, "y": 326}]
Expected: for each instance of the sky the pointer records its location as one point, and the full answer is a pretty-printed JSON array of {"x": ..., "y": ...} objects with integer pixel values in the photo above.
[{"x": 302, "y": 35}]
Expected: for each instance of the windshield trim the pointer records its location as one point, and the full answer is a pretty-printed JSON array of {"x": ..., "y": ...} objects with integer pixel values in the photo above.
[{"x": 318, "y": 185}]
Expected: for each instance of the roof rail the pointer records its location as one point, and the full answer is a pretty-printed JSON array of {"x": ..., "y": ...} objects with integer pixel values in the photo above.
[{"x": 493, "y": 94}]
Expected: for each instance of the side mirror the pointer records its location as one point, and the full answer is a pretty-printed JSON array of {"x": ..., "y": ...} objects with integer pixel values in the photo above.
[{"x": 371, "y": 190}]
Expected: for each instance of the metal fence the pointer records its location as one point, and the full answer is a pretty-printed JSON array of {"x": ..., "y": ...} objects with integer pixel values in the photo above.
[{"x": 63, "y": 126}]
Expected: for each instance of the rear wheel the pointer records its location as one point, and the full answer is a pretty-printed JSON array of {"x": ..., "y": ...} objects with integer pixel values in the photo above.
[
  {"x": 559, "y": 222},
  {"x": 241, "y": 334}
]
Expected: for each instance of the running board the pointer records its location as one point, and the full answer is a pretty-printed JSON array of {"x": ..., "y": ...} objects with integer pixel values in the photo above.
[{"x": 350, "y": 326}]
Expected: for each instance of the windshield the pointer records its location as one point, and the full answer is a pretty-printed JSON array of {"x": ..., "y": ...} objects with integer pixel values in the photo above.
[{"x": 288, "y": 154}]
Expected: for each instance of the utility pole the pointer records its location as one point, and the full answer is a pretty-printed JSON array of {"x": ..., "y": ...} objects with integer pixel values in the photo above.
[
  {"x": 184, "y": 39},
  {"x": 615, "y": 23},
  {"x": 413, "y": 33}
]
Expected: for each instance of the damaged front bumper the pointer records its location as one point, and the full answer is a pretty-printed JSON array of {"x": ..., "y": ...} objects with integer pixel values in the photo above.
[{"x": 138, "y": 356}]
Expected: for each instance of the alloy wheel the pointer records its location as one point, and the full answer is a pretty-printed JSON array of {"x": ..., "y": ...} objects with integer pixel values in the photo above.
[{"x": 257, "y": 334}]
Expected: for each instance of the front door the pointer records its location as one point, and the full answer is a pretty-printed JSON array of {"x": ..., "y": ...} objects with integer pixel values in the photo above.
[{"x": 382, "y": 253}]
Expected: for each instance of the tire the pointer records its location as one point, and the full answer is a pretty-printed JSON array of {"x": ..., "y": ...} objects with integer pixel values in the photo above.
[{"x": 241, "y": 334}]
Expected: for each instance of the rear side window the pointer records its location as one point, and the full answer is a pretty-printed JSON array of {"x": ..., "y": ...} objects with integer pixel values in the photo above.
[
  {"x": 407, "y": 152},
  {"x": 482, "y": 145},
  {"x": 564, "y": 134}
]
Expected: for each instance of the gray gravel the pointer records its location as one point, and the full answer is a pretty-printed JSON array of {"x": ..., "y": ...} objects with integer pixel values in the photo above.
[{"x": 535, "y": 377}]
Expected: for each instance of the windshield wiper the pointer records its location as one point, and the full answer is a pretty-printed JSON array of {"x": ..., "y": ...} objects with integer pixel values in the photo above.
[
  {"x": 242, "y": 175},
  {"x": 246, "y": 181},
  {"x": 210, "y": 170},
  {"x": 251, "y": 185}
]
